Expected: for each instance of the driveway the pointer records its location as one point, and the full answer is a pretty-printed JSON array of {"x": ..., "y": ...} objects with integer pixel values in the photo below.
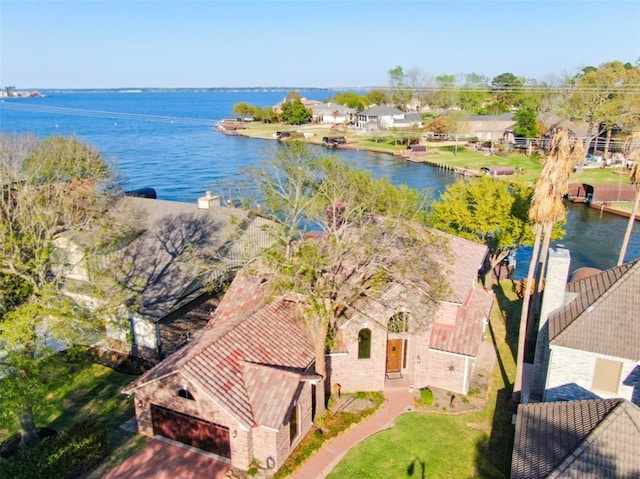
[{"x": 160, "y": 459}]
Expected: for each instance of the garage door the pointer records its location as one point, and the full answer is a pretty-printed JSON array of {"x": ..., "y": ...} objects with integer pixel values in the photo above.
[{"x": 191, "y": 430}]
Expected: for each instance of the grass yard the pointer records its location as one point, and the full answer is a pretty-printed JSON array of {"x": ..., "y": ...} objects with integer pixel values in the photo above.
[
  {"x": 530, "y": 167},
  {"x": 90, "y": 391},
  {"x": 438, "y": 446}
]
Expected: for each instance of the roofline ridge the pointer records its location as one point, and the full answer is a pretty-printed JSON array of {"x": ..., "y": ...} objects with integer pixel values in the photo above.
[
  {"x": 603, "y": 296},
  {"x": 587, "y": 441}
]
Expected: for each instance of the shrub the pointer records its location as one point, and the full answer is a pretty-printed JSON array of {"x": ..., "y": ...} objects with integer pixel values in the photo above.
[
  {"x": 427, "y": 396},
  {"x": 68, "y": 455}
]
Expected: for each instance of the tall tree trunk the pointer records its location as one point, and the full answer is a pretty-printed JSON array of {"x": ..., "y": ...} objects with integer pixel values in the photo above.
[
  {"x": 607, "y": 143},
  {"x": 321, "y": 369},
  {"x": 627, "y": 233},
  {"x": 28, "y": 428},
  {"x": 540, "y": 272},
  {"x": 517, "y": 386}
]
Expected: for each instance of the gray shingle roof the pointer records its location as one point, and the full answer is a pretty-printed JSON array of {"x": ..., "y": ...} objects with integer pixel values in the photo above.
[
  {"x": 603, "y": 317},
  {"x": 597, "y": 438},
  {"x": 381, "y": 110}
]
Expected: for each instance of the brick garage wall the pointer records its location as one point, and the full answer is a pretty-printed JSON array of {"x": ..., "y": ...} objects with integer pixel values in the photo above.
[
  {"x": 446, "y": 371},
  {"x": 164, "y": 392},
  {"x": 276, "y": 444},
  {"x": 355, "y": 374},
  {"x": 571, "y": 371}
]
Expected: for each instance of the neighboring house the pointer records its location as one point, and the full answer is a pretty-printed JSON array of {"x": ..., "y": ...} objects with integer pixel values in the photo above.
[
  {"x": 243, "y": 389},
  {"x": 391, "y": 338},
  {"x": 384, "y": 117},
  {"x": 157, "y": 266},
  {"x": 589, "y": 347},
  {"x": 488, "y": 127},
  {"x": 332, "y": 113},
  {"x": 310, "y": 104},
  {"x": 597, "y": 439}
]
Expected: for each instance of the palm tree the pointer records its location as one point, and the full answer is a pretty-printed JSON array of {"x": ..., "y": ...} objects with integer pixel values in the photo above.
[
  {"x": 635, "y": 181},
  {"x": 547, "y": 208}
]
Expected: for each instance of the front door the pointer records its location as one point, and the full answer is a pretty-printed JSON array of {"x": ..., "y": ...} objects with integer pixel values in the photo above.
[{"x": 394, "y": 355}]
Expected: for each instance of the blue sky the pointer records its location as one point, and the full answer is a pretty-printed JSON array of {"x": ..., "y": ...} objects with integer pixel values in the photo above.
[{"x": 332, "y": 43}]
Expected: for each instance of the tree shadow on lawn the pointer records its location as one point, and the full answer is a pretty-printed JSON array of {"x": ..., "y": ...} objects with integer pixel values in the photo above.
[
  {"x": 104, "y": 402},
  {"x": 510, "y": 311},
  {"x": 493, "y": 453}
]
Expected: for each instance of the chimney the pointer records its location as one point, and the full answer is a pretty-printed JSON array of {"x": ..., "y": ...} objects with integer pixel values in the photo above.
[
  {"x": 554, "y": 297},
  {"x": 208, "y": 201}
]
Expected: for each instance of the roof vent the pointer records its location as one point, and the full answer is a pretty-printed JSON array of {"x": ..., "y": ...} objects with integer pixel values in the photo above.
[{"x": 589, "y": 308}]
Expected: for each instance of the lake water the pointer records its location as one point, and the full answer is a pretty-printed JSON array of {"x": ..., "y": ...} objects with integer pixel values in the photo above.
[{"x": 166, "y": 140}]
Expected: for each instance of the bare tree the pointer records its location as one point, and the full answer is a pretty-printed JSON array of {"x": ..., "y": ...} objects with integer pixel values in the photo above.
[{"x": 367, "y": 234}]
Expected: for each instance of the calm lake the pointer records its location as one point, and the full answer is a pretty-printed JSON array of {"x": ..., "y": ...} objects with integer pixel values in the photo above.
[{"x": 166, "y": 140}]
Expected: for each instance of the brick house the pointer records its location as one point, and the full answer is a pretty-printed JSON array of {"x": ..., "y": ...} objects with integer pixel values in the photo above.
[
  {"x": 598, "y": 438},
  {"x": 241, "y": 390},
  {"x": 589, "y": 347},
  {"x": 391, "y": 337}
]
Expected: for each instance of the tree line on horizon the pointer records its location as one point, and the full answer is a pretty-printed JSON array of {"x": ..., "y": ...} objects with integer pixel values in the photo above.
[{"x": 606, "y": 98}]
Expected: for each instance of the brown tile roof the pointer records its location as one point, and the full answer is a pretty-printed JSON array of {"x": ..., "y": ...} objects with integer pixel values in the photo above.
[
  {"x": 271, "y": 392},
  {"x": 464, "y": 337},
  {"x": 603, "y": 317},
  {"x": 245, "y": 329},
  {"x": 462, "y": 265},
  {"x": 597, "y": 438},
  {"x": 461, "y": 333}
]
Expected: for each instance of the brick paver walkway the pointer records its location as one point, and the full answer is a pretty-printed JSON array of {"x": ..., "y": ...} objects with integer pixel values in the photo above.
[{"x": 398, "y": 400}]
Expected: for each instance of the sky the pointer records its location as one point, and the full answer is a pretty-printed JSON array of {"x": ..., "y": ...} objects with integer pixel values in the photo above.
[{"x": 297, "y": 43}]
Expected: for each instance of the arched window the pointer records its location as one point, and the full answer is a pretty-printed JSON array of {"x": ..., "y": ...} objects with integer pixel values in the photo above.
[
  {"x": 399, "y": 323},
  {"x": 364, "y": 344},
  {"x": 183, "y": 393}
]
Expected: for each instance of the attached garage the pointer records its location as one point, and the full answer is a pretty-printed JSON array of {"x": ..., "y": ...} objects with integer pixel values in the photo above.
[{"x": 191, "y": 430}]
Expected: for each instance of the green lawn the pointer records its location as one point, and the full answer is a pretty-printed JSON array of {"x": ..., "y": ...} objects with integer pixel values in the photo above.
[
  {"x": 427, "y": 445},
  {"x": 90, "y": 391},
  {"x": 530, "y": 166}
]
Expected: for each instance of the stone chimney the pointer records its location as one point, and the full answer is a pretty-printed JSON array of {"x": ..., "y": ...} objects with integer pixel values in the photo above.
[
  {"x": 208, "y": 201},
  {"x": 554, "y": 298}
]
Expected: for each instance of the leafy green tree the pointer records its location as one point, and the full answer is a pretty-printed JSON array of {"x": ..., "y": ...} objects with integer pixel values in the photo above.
[
  {"x": 351, "y": 100},
  {"x": 376, "y": 97},
  {"x": 604, "y": 97},
  {"x": 487, "y": 211},
  {"x": 508, "y": 90},
  {"x": 526, "y": 123},
  {"x": 446, "y": 95},
  {"x": 244, "y": 110},
  {"x": 266, "y": 115},
  {"x": 293, "y": 95},
  {"x": 48, "y": 186},
  {"x": 295, "y": 113},
  {"x": 474, "y": 92},
  {"x": 401, "y": 94}
]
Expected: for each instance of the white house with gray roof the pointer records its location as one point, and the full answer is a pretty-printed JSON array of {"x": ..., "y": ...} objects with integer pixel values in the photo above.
[
  {"x": 160, "y": 268},
  {"x": 589, "y": 347},
  {"x": 381, "y": 117}
]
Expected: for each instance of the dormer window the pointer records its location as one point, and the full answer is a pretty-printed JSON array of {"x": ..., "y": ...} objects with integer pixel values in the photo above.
[{"x": 184, "y": 393}]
